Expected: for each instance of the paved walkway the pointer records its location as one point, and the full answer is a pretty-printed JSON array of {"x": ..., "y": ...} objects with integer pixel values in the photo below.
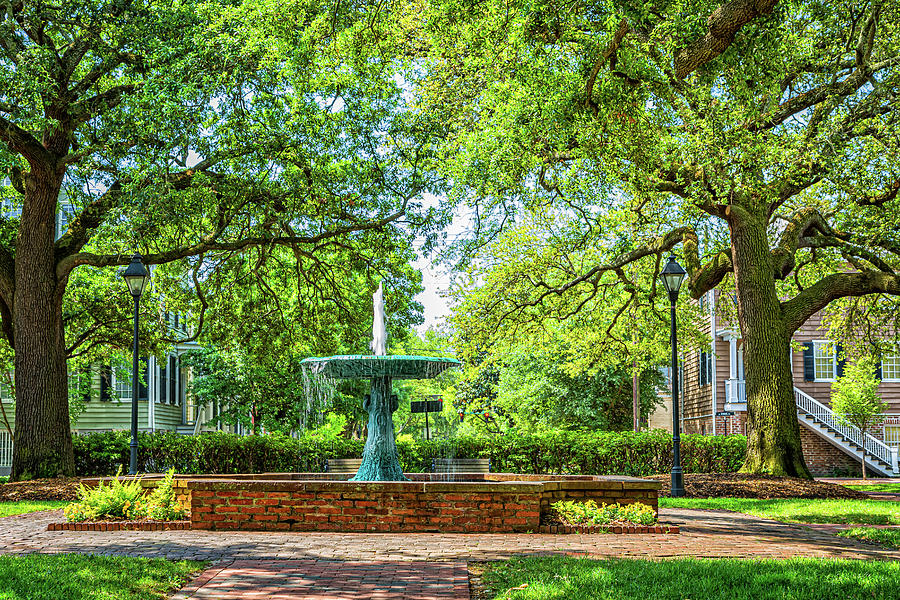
[{"x": 332, "y": 565}]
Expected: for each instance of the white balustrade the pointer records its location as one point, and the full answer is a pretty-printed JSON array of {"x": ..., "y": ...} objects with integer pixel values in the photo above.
[
  {"x": 821, "y": 413},
  {"x": 735, "y": 391}
]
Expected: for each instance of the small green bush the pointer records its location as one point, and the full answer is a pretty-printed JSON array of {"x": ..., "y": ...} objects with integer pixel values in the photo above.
[
  {"x": 116, "y": 500},
  {"x": 122, "y": 499},
  {"x": 588, "y": 513}
]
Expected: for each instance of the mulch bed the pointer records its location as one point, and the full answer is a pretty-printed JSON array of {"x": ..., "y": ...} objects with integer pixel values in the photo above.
[
  {"x": 742, "y": 485},
  {"x": 60, "y": 488}
]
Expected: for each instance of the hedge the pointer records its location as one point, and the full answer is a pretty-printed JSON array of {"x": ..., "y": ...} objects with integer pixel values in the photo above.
[{"x": 600, "y": 453}]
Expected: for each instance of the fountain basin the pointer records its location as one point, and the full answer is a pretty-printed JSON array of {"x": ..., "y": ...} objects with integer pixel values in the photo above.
[
  {"x": 484, "y": 503},
  {"x": 365, "y": 366}
]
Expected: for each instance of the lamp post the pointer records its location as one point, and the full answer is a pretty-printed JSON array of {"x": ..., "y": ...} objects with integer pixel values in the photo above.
[
  {"x": 672, "y": 276},
  {"x": 136, "y": 276}
]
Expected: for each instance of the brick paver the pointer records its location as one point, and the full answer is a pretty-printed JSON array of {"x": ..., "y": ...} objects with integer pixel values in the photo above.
[
  {"x": 328, "y": 565},
  {"x": 331, "y": 579}
]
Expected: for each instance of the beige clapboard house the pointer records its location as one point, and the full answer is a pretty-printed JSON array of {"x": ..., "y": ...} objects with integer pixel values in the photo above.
[{"x": 714, "y": 400}]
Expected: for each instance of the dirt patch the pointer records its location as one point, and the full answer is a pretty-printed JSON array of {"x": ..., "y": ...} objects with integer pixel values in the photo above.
[
  {"x": 742, "y": 485},
  {"x": 60, "y": 488},
  {"x": 477, "y": 589}
]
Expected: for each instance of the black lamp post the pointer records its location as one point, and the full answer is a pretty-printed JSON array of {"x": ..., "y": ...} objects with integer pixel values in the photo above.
[
  {"x": 136, "y": 276},
  {"x": 672, "y": 276}
]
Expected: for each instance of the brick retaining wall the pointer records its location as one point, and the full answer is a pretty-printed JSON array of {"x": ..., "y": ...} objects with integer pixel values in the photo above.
[{"x": 496, "y": 505}]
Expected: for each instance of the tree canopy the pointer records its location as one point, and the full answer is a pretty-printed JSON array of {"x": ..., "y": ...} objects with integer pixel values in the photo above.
[
  {"x": 190, "y": 132},
  {"x": 591, "y": 139}
]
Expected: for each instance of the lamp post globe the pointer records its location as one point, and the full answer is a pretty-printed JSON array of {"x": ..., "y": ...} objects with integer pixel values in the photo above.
[
  {"x": 672, "y": 276},
  {"x": 136, "y": 277}
]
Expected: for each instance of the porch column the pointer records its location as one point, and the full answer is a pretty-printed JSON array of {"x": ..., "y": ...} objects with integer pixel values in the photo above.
[{"x": 733, "y": 358}]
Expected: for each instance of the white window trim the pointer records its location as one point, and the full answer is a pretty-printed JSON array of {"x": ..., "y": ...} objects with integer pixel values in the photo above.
[
  {"x": 889, "y": 379},
  {"x": 113, "y": 380},
  {"x": 834, "y": 361}
]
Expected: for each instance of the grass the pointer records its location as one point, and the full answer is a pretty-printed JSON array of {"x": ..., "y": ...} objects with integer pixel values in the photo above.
[
  {"x": 889, "y": 538},
  {"x": 26, "y": 506},
  {"x": 796, "y": 510},
  {"x": 893, "y": 488},
  {"x": 85, "y": 577},
  {"x": 562, "y": 578}
]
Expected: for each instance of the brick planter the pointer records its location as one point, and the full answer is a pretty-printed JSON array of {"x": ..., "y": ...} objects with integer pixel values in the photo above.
[
  {"x": 497, "y": 503},
  {"x": 615, "y": 529},
  {"x": 121, "y": 526}
]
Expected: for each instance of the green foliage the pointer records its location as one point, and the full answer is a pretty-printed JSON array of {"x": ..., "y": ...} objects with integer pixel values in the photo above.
[
  {"x": 557, "y": 577},
  {"x": 122, "y": 499},
  {"x": 854, "y": 396},
  {"x": 588, "y": 513},
  {"x": 161, "y": 504},
  {"x": 604, "y": 453},
  {"x": 116, "y": 500},
  {"x": 91, "y": 577}
]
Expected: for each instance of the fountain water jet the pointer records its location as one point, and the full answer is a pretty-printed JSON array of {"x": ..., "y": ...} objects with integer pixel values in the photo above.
[{"x": 380, "y": 461}]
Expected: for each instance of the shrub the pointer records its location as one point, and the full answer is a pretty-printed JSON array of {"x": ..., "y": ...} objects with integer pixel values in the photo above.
[
  {"x": 588, "y": 513},
  {"x": 122, "y": 499},
  {"x": 564, "y": 452},
  {"x": 116, "y": 500}
]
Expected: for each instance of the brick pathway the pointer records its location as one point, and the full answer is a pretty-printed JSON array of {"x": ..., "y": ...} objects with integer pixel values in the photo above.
[
  {"x": 330, "y": 579},
  {"x": 327, "y": 565}
]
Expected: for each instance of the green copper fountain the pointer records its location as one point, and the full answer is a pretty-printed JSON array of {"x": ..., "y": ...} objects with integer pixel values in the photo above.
[{"x": 380, "y": 461}]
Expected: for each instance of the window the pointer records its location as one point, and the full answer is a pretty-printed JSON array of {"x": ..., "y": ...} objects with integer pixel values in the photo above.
[
  {"x": 121, "y": 384},
  {"x": 705, "y": 368},
  {"x": 704, "y": 301},
  {"x": 63, "y": 218},
  {"x": 824, "y": 360},
  {"x": 890, "y": 366},
  {"x": 6, "y": 389}
]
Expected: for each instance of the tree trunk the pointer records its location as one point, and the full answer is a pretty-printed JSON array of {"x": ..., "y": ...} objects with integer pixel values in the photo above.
[
  {"x": 773, "y": 444},
  {"x": 43, "y": 439}
]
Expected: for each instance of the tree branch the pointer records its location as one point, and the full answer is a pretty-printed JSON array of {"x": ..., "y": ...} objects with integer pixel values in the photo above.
[
  {"x": 211, "y": 244},
  {"x": 722, "y": 25},
  {"x": 831, "y": 287}
]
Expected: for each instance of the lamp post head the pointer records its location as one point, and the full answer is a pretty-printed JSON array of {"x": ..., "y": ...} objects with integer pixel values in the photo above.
[
  {"x": 672, "y": 275},
  {"x": 136, "y": 276}
]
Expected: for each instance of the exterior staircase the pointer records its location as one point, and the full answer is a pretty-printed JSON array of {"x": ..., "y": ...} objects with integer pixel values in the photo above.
[{"x": 818, "y": 418}]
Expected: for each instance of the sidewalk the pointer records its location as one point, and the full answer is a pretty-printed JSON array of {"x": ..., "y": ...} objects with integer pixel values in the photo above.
[{"x": 319, "y": 566}]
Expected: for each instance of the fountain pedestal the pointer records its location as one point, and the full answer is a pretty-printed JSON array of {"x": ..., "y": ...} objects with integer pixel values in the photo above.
[{"x": 380, "y": 461}]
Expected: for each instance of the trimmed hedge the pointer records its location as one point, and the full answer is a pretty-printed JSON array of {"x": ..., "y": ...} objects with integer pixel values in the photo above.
[{"x": 599, "y": 453}]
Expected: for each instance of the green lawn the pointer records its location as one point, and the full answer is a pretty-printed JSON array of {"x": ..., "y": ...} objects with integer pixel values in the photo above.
[
  {"x": 85, "y": 577},
  {"x": 889, "y": 538},
  {"x": 561, "y": 578},
  {"x": 795, "y": 510},
  {"x": 26, "y": 506},
  {"x": 893, "y": 488}
]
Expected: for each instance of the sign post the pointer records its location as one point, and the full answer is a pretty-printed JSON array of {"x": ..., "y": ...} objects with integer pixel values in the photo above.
[{"x": 436, "y": 404}]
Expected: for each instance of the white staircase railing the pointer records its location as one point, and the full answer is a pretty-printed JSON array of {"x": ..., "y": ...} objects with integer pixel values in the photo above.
[{"x": 823, "y": 414}]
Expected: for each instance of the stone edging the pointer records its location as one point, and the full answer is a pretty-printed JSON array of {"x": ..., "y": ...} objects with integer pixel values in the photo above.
[
  {"x": 121, "y": 526},
  {"x": 614, "y": 529}
]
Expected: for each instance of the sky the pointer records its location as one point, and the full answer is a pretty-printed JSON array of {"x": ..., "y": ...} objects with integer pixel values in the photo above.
[{"x": 436, "y": 279}]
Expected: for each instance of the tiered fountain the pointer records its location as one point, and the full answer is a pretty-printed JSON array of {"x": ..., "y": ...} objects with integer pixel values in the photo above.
[{"x": 380, "y": 461}]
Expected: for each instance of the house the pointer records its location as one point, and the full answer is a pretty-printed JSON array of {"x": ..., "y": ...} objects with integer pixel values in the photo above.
[{"x": 714, "y": 399}]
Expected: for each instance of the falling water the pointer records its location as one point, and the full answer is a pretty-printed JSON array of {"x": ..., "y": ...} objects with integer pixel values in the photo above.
[{"x": 379, "y": 332}]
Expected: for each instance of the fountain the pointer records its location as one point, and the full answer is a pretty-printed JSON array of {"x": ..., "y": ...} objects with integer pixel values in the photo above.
[
  {"x": 381, "y": 497},
  {"x": 379, "y": 461}
]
